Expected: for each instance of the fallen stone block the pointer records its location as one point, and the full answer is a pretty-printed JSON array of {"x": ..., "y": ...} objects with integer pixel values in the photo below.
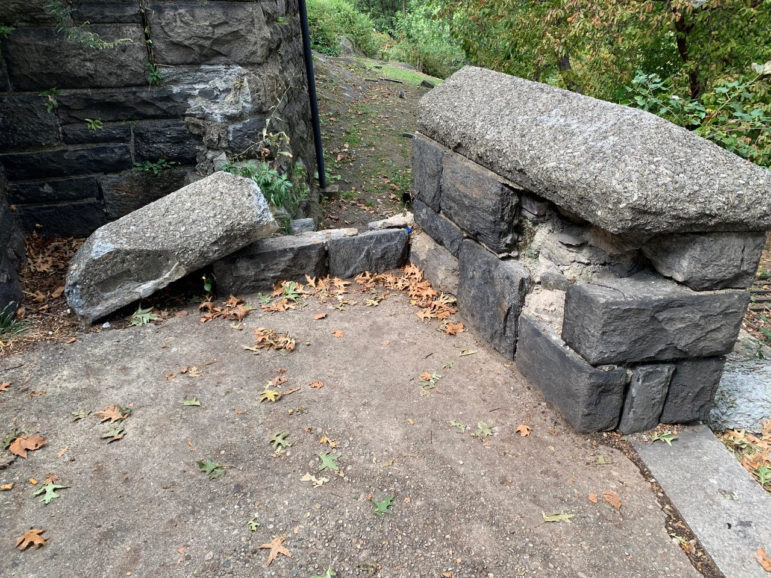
[
  {"x": 373, "y": 251},
  {"x": 645, "y": 397},
  {"x": 144, "y": 251},
  {"x": 644, "y": 318},
  {"x": 439, "y": 228},
  {"x": 692, "y": 390},
  {"x": 743, "y": 397},
  {"x": 479, "y": 203},
  {"x": 710, "y": 261},
  {"x": 298, "y": 226},
  {"x": 491, "y": 294},
  {"x": 399, "y": 221},
  {"x": 436, "y": 262},
  {"x": 427, "y": 171},
  {"x": 590, "y": 398}
]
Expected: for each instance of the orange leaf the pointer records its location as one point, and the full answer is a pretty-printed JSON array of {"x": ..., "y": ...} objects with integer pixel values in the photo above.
[
  {"x": 5, "y": 385},
  {"x": 276, "y": 547},
  {"x": 523, "y": 430},
  {"x": 238, "y": 411},
  {"x": 21, "y": 444},
  {"x": 31, "y": 538},
  {"x": 612, "y": 498},
  {"x": 338, "y": 333},
  {"x": 593, "y": 498},
  {"x": 58, "y": 292},
  {"x": 317, "y": 384},
  {"x": 319, "y": 316},
  {"x": 6, "y": 487},
  {"x": 330, "y": 442},
  {"x": 71, "y": 340},
  {"x": 453, "y": 328},
  {"x": 763, "y": 559},
  {"x": 33, "y": 481},
  {"x": 425, "y": 376}
]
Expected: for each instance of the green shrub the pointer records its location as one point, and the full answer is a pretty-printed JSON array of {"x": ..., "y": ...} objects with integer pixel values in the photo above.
[
  {"x": 279, "y": 191},
  {"x": 330, "y": 19}
]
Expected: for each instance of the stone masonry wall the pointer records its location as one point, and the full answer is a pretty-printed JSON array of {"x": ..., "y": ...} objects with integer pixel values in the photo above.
[
  {"x": 226, "y": 66},
  {"x": 560, "y": 215},
  {"x": 11, "y": 256}
]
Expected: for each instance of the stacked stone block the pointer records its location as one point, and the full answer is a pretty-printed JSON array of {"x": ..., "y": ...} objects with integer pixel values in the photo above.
[
  {"x": 12, "y": 256},
  {"x": 228, "y": 68},
  {"x": 616, "y": 280}
]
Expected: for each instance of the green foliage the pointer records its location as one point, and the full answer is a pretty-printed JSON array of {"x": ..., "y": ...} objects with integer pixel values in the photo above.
[
  {"x": 277, "y": 188},
  {"x": 94, "y": 124},
  {"x": 157, "y": 167},
  {"x": 330, "y": 19},
  {"x": 8, "y": 323},
  {"x": 648, "y": 92},
  {"x": 62, "y": 13},
  {"x": 154, "y": 76},
  {"x": 328, "y": 574},
  {"x": 667, "y": 437},
  {"x": 329, "y": 462},
  {"x": 764, "y": 475},
  {"x": 143, "y": 317},
  {"x": 50, "y": 95},
  {"x": 383, "y": 506},
  {"x": 211, "y": 468}
]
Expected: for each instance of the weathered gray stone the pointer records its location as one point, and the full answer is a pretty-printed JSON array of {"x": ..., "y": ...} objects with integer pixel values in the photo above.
[
  {"x": 130, "y": 190},
  {"x": 72, "y": 219},
  {"x": 11, "y": 258},
  {"x": 533, "y": 208},
  {"x": 25, "y": 123},
  {"x": 438, "y": 264},
  {"x": 130, "y": 104},
  {"x": 168, "y": 139},
  {"x": 645, "y": 397},
  {"x": 40, "y": 58},
  {"x": 66, "y": 162},
  {"x": 692, "y": 390},
  {"x": 212, "y": 33},
  {"x": 427, "y": 171},
  {"x": 479, "y": 203},
  {"x": 620, "y": 168},
  {"x": 403, "y": 220},
  {"x": 16, "y": 12},
  {"x": 306, "y": 225},
  {"x": 743, "y": 397},
  {"x": 643, "y": 318},
  {"x": 146, "y": 250},
  {"x": 259, "y": 266},
  {"x": 82, "y": 134},
  {"x": 373, "y": 251},
  {"x": 441, "y": 229},
  {"x": 107, "y": 11},
  {"x": 491, "y": 294},
  {"x": 74, "y": 189},
  {"x": 711, "y": 261},
  {"x": 244, "y": 136},
  {"x": 589, "y": 398}
]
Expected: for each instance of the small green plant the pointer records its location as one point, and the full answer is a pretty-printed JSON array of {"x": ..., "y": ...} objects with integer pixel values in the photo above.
[
  {"x": 253, "y": 525},
  {"x": 208, "y": 283},
  {"x": 143, "y": 317},
  {"x": 383, "y": 506},
  {"x": 764, "y": 475},
  {"x": 211, "y": 468},
  {"x": 157, "y": 167},
  {"x": 50, "y": 95},
  {"x": 666, "y": 436},
  {"x": 154, "y": 75},
  {"x": 279, "y": 191},
  {"x": 94, "y": 124},
  {"x": 62, "y": 14},
  {"x": 8, "y": 323}
]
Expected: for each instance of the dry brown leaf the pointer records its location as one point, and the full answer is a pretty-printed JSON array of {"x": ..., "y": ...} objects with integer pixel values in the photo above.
[
  {"x": 763, "y": 559},
  {"x": 523, "y": 430},
  {"x": 330, "y": 442},
  {"x": 238, "y": 411},
  {"x": 31, "y": 538},
  {"x": 269, "y": 339},
  {"x": 276, "y": 547},
  {"x": 58, "y": 292},
  {"x": 384, "y": 343},
  {"x": 317, "y": 384},
  {"x": 453, "y": 328},
  {"x": 337, "y": 333},
  {"x": 425, "y": 376},
  {"x": 5, "y": 385},
  {"x": 113, "y": 412},
  {"x": 62, "y": 451},
  {"x": 319, "y": 316},
  {"x": 71, "y": 340},
  {"x": 6, "y": 487},
  {"x": 33, "y": 481},
  {"x": 22, "y": 444},
  {"x": 592, "y": 498},
  {"x": 278, "y": 380},
  {"x": 410, "y": 421},
  {"x": 612, "y": 498}
]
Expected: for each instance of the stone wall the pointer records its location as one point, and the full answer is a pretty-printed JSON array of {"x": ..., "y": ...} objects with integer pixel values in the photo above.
[
  {"x": 226, "y": 68},
  {"x": 604, "y": 249},
  {"x": 11, "y": 256}
]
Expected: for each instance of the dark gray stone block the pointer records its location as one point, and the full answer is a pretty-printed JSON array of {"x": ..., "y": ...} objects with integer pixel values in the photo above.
[
  {"x": 29, "y": 12},
  {"x": 645, "y": 397},
  {"x": 649, "y": 319},
  {"x": 11, "y": 258},
  {"x": 374, "y": 251},
  {"x": 479, "y": 203},
  {"x": 25, "y": 123},
  {"x": 491, "y": 294},
  {"x": 589, "y": 398},
  {"x": 75, "y": 219},
  {"x": 692, "y": 390},
  {"x": 39, "y": 58},
  {"x": 124, "y": 105},
  {"x": 534, "y": 208},
  {"x": 128, "y": 191},
  {"x": 66, "y": 162},
  {"x": 165, "y": 139},
  {"x": 258, "y": 267},
  {"x": 106, "y": 12},
  {"x": 437, "y": 263},
  {"x": 439, "y": 228},
  {"x": 82, "y": 134},
  {"x": 427, "y": 171},
  {"x": 75, "y": 189},
  {"x": 709, "y": 261},
  {"x": 246, "y": 134}
]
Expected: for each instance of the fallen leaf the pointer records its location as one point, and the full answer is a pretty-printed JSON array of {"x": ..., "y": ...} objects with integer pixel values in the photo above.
[
  {"x": 337, "y": 333},
  {"x": 113, "y": 413},
  {"x": 410, "y": 421},
  {"x": 32, "y": 481},
  {"x": 425, "y": 376},
  {"x": 6, "y": 487},
  {"x": 238, "y": 411},
  {"x": 191, "y": 402},
  {"x": 612, "y": 498},
  {"x": 330, "y": 442},
  {"x": 49, "y": 492},
  {"x": 51, "y": 479},
  {"x": 453, "y": 328},
  {"x": 383, "y": 506},
  {"x": 31, "y": 538},
  {"x": 523, "y": 430},
  {"x": 384, "y": 343},
  {"x": 58, "y": 292},
  {"x": 22, "y": 444},
  {"x": 278, "y": 380},
  {"x": 329, "y": 462},
  {"x": 62, "y": 451},
  {"x": 558, "y": 517},
  {"x": 71, "y": 340},
  {"x": 319, "y": 316},
  {"x": 317, "y": 384},
  {"x": 593, "y": 498},
  {"x": 763, "y": 559},
  {"x": 317, "y": 482},
  {"x": 276, "y": 547},
  {"x": 211, "y": 468},
  {"x": 5, "y": 385}
]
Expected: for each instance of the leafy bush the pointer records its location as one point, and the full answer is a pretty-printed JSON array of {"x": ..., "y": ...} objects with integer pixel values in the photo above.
[
  {"x": 330, "y": 19},
  {"x": 279, "y": 191}
]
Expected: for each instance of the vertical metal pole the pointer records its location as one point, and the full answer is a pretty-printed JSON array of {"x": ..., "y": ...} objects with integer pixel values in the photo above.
[{"x": 312, "y": 94}]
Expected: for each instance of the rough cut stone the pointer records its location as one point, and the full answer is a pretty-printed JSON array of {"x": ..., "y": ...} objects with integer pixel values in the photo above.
[
  {"x": 620, "y": 168},
  {"x": 427, "y": 171},
  {"x": 743, "y": 397},
  {"x": 692, "y": 390},
  {"x": 246, "y": 135},
  {"x": 146, "y": 250},
  {"x": 72, "y": 219},
  {"x": 107, "y": 11},
  {"x": 25, "y": 123},
  {"x": 533, "y": 208},
  {"x": 124, "y": 105},
  {"x": 130, "y": 190},
  {"x": 259, "y": 266},
  {"x": 82, "y": 134},
  {"x": 74, "y": 189},
  {"x": 439, "y": 228},
  {"x": 168, "y": 139},
  {"x": 399, "y": 221},
  {"x": 645, "y": 397},
  {"x": 589, "y": 398},
  {"x": 11, "y": 258},
  {"x": 211, "y": 33},
  {"x": 67, "y": 162},
  {"x": 306, "y": 225},
  {"x": 491, "y": 294},
  {"x": 373, "y": 251},
  {"x": 649, "y": 319},
  {"x": 711, "y": 261},
  {"x": 474, "y": 199},
  {"x": 437, "y": 263}
]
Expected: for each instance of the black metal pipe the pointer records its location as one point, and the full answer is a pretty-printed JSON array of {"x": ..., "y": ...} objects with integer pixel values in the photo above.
[{"x": 312, "y": 94}]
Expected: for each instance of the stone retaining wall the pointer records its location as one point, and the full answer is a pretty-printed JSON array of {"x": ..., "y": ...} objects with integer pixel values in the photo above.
[
  {"x": 11, "y": 256},
  {"x": 604, "y": 249},
  {"x": 226, "y": 66}
]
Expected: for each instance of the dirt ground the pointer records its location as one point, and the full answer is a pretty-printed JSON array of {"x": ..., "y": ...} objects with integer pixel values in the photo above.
[{"x": 469, "y": 499}]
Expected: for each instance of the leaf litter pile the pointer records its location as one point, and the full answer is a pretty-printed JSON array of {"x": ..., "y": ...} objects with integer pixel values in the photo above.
[{"x": 752, "y": 451}]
